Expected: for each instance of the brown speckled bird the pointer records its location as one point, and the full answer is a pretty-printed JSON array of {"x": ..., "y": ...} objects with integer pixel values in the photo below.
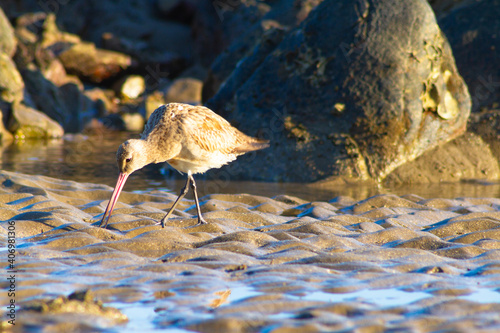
[{"x": 192, "y": 139}]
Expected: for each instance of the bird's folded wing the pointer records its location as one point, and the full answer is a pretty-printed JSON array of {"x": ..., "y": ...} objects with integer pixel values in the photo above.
[{"x": 210, "y": 131}]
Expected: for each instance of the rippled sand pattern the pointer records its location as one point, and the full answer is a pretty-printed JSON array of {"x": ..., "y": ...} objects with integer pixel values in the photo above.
[{"x": 261, "y": 264}]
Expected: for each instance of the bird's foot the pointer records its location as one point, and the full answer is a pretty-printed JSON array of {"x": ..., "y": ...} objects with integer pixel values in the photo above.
[
  {"x": 201, "y": 221},
  {"x": 162, "y": 223}
]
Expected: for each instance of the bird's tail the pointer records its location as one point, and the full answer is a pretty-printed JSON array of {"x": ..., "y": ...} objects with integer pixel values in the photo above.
[{"x": 251, "y": 145}]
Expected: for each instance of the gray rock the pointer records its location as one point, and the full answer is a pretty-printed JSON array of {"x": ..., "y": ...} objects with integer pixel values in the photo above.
[
  {"x": 66, "y": 104},
  {"x": 473, "y": 32},
  {"x": 467, "y": 157},
  {"x": 239, "y": 27},
  {"x": 78, "y": 108},
  {"x": 225, "y": 74},
  {"x": 354, "y": 97},
  {"x": 8, "y": 41},
  {"x": 441, "y": 7},
  {"x": 184, "y": 90},
  {"x": 218, "y": 23},
  {"x": 11, "y": 82},
  {"x": 5, "y": 135},
  {"x": 487, "y": 126},
  {"x": 44, "y": 95}
]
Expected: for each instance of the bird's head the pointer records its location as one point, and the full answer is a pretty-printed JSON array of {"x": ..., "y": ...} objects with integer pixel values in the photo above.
[{"x": 132, "y": 155}]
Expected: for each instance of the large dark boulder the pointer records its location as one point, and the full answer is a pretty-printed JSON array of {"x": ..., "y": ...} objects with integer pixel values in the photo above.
[
  {"x": 233, "y": 29},
  {"x": 473, "y": 31},
  {"x": 358, "y": 89}
]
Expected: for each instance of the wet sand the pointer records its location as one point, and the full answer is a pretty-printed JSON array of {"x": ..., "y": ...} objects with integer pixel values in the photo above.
[{"x": 281, "y": 264}]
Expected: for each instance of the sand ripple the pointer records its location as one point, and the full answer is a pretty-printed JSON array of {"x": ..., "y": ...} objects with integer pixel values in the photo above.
[{"x": 262, "y": 264}]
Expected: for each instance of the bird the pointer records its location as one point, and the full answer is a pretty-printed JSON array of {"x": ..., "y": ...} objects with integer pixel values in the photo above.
[{"x": 191, "y": 139}]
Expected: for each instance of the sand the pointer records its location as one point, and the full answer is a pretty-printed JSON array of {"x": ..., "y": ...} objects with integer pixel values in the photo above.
[{"x": 387, "y": 263}]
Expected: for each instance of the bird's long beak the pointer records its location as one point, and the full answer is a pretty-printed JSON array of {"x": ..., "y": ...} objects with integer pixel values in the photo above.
[{"x": 122, "y": 178}]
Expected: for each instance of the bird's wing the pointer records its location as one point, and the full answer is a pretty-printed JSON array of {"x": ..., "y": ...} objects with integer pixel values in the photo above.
[{"x": 210, "y": 131}]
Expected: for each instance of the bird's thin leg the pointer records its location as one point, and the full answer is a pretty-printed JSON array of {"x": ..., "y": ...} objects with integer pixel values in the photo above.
[
  {"x": 184, "y": 191},
  {"x": 201, "y": 220}
]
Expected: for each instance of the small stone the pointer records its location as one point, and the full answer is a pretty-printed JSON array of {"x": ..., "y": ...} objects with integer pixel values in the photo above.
[
  {"x": 96, "y": 65},
  {"x": 132, "y": 87},
  {"x": 134, "y": 122}
]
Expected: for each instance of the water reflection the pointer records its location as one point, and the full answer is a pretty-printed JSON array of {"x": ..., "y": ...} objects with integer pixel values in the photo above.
[{"x": 92, "y": 159}]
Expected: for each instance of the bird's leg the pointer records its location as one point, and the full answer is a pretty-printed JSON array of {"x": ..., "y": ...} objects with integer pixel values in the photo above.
[
  {"x": 201, "y": 220},
  {"x": 184, "y": 191}
]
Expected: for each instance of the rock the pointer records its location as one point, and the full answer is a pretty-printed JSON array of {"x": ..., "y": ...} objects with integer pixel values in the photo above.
[
  {"x": 181, "y": 11},
  {"x": 96, "y": 65},
  {"x": 79, "y": 303},
  {"x": 132, "y": 87},
  {"x": 55, "y": 39},
  {"x": 184, "y": 90},
  {"x": 8, "y": 41},
  {"x": 66, "y": 104},
  {"x": 487, "y": 126},
  {"x": 56, "y": 74},
  {"x": 225, "y": 79},
  {"x": 11, "y": 82},
  {"x": 104, "y": 100},
  {"x": 243, "y": 25},
  {"x": 472, "y": 31},
  {"x": 220, "y": 24},
  {"x": 467, "y": 157},
  {"x": 217, "y": 24},
  {"x": 441, "y": 7},
  {"x": 134, "y": 122},
  {"x": 364, "y": 94},
  {"x": 5, "y": 136},
  {"x": 165, "y": 6},
  {"x": 79, "y": 109},
  {"x": 29, "y": 31},
  {"x": 111, "y": 121},
  {"x": 81, "y": 58},
  {"x": 44, "y": 95},
  {"x": 28, "y": 123},
  {"x": 135, "y": 29},
  {"x": 196, "y": 71},
  {"x": 152, "y": 102}
]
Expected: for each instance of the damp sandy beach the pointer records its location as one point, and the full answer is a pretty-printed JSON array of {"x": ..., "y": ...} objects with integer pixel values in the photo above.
[{"x": 262, "y": 264}]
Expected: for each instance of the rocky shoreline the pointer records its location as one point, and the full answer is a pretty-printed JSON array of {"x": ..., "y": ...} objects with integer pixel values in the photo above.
[{"x": 278, "y": 264}]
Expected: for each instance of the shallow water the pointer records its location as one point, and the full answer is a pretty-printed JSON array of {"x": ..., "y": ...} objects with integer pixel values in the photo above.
[
  {"x": 144, "y": 315},
  {"x": 269, "y": 264},
  {"x": 92, "y": 159}
]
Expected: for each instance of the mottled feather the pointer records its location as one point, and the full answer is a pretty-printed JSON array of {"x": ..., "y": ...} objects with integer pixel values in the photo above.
[{"x": 211, "y": 132}]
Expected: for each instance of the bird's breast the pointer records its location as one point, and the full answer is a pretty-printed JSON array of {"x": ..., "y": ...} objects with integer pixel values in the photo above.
[{"x": 200, "y": 164}]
